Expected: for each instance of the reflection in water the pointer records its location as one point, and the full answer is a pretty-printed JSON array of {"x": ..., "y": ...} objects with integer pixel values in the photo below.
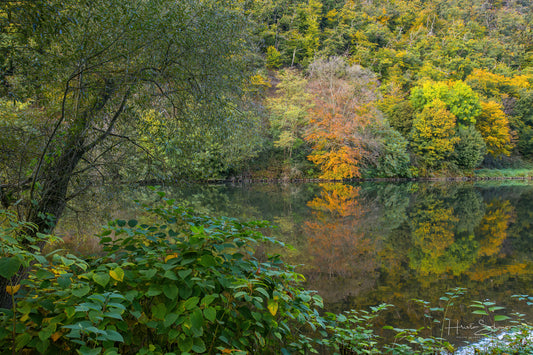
[{"x": 366, "y": 244}]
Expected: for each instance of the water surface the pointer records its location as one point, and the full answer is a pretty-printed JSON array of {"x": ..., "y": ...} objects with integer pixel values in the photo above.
[{"x": 371, "y": 243}]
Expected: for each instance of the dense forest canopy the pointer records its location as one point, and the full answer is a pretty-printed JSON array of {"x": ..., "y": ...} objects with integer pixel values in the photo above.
[{"x": 453, "y": 80}]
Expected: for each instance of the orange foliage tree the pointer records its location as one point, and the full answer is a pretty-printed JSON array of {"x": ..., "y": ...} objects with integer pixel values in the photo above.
[
  {"x": 493, "y": 85},
  {"x": 342, "y": 95}
]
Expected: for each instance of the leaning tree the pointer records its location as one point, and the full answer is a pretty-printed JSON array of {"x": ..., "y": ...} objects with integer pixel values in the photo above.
[{"x": 76, "y": 74}]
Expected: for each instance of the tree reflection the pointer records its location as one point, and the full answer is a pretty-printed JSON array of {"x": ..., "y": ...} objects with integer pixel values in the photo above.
[{"x": 337, "y": 245}]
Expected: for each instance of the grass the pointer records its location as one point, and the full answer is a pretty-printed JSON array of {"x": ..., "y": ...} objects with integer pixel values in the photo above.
[{"x": 504, "y": 173}]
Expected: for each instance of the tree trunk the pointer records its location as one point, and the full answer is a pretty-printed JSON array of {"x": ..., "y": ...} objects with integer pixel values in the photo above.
[{"x": 55, "y": 181}]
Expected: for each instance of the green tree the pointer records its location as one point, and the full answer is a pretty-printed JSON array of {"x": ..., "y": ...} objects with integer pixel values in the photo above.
[
  {"x": 289, "y": 111},
  {"x": 458, "y": 97},
  {"x": 470, "y": 149},
  {"x": 88, "y": 70}
]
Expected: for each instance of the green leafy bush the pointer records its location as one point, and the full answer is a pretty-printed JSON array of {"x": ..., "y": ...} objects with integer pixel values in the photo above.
[{"x": 183, "y": 284}]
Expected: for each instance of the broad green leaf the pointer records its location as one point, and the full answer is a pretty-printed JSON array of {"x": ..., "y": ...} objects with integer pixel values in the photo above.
[
  {"x": 21, "y": 340},
  {"x": 64, "y": 281},
  {"x": 159, "y": 311},
  {"x": 148, "y": 274},
  {"x": 47, "y": 332},
  {"x": 208, "y": 299},
  {"x": 210, "y": 314},
  {"x": 198, "y": 346},
  {"x": 169, "y": 274},
  {"x": 184, "y": 273},
  {"x": 82, "y": 291},
  {"x": 191, "y": 303},
  {"x": 197, "y": 321},
  {"x": 101, "y": 278},
  {"x": 186, "y": 344},
  {"x": 154, "y": 290},
  {"x": 207, "y": 261},
  {"x": 170, "y": 319},
  {"x": 171, "y": 291},
  {"x": 499, "y": 317},
  {"x": 114, "y": 335},
  {"x": 70, "y": 311},
  {"x": 44, "y": 274},
  {"x": 9, "y": 266}
]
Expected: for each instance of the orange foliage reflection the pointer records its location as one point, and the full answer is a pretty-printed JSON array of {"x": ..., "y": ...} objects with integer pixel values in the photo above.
[{"x": 335, "y": 240}]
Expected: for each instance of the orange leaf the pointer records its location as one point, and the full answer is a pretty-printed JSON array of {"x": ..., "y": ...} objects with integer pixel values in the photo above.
[
  {"x": 56, "y": 336},
  {"x": 12, "y": 289}
]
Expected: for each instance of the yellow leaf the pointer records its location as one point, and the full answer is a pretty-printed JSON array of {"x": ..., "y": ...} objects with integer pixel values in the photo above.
[
  {"x": 170, "y": 256},
  {"x": 273, "y": 306},
  {"x": 12, "y": 289},
  {"x": 117, "y": 274}
]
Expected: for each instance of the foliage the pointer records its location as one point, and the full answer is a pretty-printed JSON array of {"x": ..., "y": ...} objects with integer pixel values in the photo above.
[
  {"x": 389, "y": 156},
  {"x": 458, "y": 52},
  {"x": 288, "y": 111},
  {"x": 193, "y": 149},
  {"x": 342, "y": 96},
  {"x": 523, "y": 122},
  {"x": 210, "y": 295},
  {"x": 493, "y": 125},
  {"x": 89, "y": 74},
  {"x": 398, "y": 110},
  {"x": 457, "y": 96},
  {"x": 494, "y": 85},
  {"x": 470, "y": 149},
  {"x": 433, "y": 134}
]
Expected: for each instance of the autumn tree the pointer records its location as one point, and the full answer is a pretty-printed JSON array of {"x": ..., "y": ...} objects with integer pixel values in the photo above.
[
  {"x": 343, "y": 97},
  {"x": 493, "y": 125},
  {"x": 496, "y": 86},
  {"x": 86, "y": 70},
  {"x": 433, "y": 134},
  {"x": 458, "y": 97},
  {"x": 335, "y": 241}
]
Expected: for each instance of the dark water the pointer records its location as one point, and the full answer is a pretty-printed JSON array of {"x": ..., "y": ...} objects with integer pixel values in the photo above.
[{"x": 371, "y": 243}]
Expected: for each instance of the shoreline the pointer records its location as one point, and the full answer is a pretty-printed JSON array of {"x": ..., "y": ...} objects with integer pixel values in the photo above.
[{"x": 246, "y": 180}]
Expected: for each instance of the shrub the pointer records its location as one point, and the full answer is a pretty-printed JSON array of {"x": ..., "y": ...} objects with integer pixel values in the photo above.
[{"x": 184, "y": 283}]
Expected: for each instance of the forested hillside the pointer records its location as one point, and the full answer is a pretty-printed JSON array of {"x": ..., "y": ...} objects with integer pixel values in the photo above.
[{"x": 397, "y": 88}]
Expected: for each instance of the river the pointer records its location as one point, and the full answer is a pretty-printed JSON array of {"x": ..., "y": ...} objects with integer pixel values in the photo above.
[{"x": 363, "y": 244}]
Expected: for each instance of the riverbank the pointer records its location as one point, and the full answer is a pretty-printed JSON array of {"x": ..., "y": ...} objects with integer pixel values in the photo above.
[{"x": 477, "y": 175}]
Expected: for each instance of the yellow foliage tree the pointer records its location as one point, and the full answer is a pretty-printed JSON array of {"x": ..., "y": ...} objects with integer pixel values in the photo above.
[
  {"x": 493, "y": 125},
  {"x": 433, "y": 134}
]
